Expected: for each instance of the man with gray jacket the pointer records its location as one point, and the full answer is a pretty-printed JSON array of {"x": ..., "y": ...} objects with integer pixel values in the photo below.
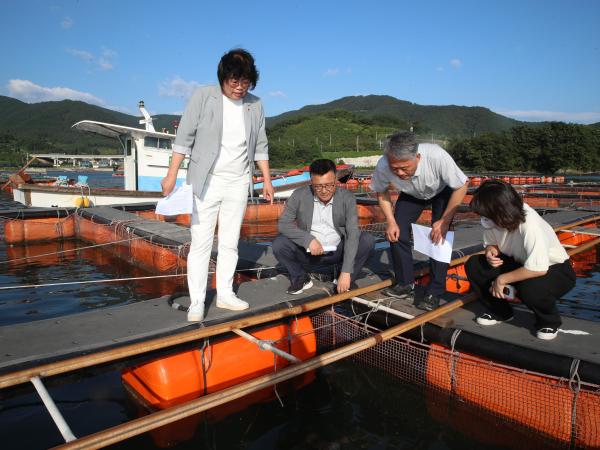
[{"x": 319, "y": 226}]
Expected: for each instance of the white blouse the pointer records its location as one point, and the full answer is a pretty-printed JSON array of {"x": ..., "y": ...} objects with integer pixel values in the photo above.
[{"x": 534, "y": 244}]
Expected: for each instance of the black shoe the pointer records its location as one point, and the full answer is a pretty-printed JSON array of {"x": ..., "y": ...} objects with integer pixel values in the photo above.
[
  {"x": 429, "y": 302},
  {"x": 297, "y": 287},
  {"x": 404, "y": 292},
  {"x": 487, "y": 319},
  {"x": 547, "y": 333}
]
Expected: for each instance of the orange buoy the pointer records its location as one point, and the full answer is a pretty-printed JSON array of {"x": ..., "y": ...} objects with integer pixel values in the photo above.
[
  {"x": 30, "y": 230},
  {"x": 188, "y": 375},
  {"x": 263, "y": 212}
]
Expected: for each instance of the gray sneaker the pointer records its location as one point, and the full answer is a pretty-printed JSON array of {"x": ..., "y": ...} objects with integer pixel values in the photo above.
[
  {"x": 429, "y": 303},
  {"x": 397, "y": 291}
]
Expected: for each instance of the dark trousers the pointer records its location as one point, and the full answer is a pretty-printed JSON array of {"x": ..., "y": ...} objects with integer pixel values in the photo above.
[
  {"x": 539, "y": 294},
  {"x": 294, "y": 257},
  {"x": 406, "y": 212}
]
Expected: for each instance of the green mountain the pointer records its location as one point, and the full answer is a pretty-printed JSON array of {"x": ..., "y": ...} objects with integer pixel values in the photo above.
[
  {"x": 46, "y": 127},
  {"x": 446, "y": 121}
]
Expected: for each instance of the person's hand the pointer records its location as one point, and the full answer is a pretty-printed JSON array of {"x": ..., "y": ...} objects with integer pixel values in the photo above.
[
  {"x": 343, "y": 282},
  {"x": 497, "y": 287},
  {"x": 315, "y": 248},
  {"x": 392, "y": 232},
  {"x": 492, "y": 255},
  {"x": 268, "y": 191},
  {"x": 438, "y": 231},
  {"x": 168, "y": 184}
]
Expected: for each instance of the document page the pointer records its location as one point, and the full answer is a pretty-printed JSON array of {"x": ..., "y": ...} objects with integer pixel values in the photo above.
[
  {"x": 180, "y": 201},
  {"x": 441, "y": 252}
]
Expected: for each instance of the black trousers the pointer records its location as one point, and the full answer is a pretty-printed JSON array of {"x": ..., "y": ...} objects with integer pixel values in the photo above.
[
  {"x": 294, "y": 257},
  {"x": 406, "y": 212},
  {"x": 539, "y": 294}
]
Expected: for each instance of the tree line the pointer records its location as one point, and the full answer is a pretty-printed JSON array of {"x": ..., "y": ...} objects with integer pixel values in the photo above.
[{"x": 545, "y": 148}]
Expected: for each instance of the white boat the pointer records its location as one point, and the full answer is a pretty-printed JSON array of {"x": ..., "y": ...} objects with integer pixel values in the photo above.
[{"x": 147, "y": 155}]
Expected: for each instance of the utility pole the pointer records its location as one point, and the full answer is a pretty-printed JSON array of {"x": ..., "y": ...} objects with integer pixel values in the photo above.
[{"x": 357, "y": 142}]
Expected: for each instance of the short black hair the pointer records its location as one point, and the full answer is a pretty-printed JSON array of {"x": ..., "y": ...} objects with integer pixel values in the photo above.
[
  {"x": 237, "y": 63},
  {"x": 499, "y": 202},
  {"x": 322, "y": 166}
]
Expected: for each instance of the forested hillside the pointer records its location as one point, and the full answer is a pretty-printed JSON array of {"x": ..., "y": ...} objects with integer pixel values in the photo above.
[
  {"x": 443, "y": 121},
  {"x": 479, "y": 138},
  {"x": 546, "y": 148}
]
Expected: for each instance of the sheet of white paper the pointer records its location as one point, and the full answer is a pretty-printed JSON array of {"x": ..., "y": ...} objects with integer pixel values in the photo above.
[
  {"x": 441, "y": 252},
  {"x": 326, "y": 248},
  {"x": 180, "y": 201}
]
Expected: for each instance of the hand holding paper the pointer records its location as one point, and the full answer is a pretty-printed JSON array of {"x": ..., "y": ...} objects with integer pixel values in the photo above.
[
  {"x": 180, "y": 201},
  {"x": 440, "y": 252}
]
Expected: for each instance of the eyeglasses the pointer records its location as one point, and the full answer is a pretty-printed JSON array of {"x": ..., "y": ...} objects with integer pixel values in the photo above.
[
  {"x": 235, "y": 82},
  {"x": 323, "y": 187}
]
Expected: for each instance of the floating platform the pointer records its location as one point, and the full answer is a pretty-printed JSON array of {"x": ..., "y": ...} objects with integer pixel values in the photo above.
[{"x": 34, "y": 343}]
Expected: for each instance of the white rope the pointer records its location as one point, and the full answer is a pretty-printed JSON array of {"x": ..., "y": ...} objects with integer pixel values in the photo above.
[
  {"x": 71, "y": 250},
  {"x": 113, "y": 280}
]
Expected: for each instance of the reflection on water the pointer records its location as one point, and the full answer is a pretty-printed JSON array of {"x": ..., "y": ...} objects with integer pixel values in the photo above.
[{"x": 43, "y": 302}]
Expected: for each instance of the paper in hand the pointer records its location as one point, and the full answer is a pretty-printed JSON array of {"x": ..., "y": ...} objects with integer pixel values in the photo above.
[
  {"x": 441, "y": 252},
  {"x": 180, "y": 201}
]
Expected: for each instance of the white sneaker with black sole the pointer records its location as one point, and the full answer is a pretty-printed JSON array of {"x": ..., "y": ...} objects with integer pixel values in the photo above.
[
  {"x": 232, "y": 302},
  {"x": 547, "y": 333},
  {"x": 487, "y": 319},
  {"x": 300, "y": 286}
]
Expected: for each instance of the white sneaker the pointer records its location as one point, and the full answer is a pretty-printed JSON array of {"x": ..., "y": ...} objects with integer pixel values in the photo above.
[
  {"x": 195, "y": 313},
  {"x": 547, "y": 333},
  {"x": 488, "y": 319},
  {"x": 230, "y": 301}
]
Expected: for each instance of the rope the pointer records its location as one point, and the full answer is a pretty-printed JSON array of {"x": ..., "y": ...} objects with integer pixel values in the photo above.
[
  {"x": 575, "y": 386},
  {"x": 70, "y": 250},
  {"x": 113, "y": 280}
]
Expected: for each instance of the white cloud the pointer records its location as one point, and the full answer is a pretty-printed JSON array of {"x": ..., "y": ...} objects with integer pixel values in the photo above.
[
  {"x": 332, "y": 72},
  {"x": 66, "y": 23},
  {"x": 81, "y": 54},
  {"x": 103, "y": 62},
  {"x": 534, "y": 115},
  {"x": 178, "y": 87},
  {"x": 277, "y": 94},
  {"x": 456, "y": 63},
  {"x": 30, "y": 92}
]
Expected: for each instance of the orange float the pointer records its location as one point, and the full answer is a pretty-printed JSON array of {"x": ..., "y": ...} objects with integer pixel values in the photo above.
[
  {"x": 29, "y": 230},
  {"x": 263, "y": 212},
  {"x": 175, "y": 379}
]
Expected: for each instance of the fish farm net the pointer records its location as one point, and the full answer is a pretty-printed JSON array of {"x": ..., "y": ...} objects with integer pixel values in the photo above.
[{"x": 493, "y": 403}]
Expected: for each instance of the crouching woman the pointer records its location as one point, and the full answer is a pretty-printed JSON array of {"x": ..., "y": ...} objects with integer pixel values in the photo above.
[{"x": 521, "y": 251}]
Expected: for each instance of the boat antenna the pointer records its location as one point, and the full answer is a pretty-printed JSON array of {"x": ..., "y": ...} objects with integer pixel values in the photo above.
[{"x": 147, "y": 120}]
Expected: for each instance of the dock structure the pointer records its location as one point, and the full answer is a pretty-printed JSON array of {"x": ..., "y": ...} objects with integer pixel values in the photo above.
[
  {"x": 118, "y": 337},
  {"x": 97, "y": 330},
  {"x": 58, "y": 159}
]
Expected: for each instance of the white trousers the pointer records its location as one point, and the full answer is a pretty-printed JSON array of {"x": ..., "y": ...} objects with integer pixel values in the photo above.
[{"x": 226, "y": 201}]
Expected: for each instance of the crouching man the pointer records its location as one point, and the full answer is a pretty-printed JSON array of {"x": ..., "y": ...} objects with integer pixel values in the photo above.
[{"x": 319, "y": 226}]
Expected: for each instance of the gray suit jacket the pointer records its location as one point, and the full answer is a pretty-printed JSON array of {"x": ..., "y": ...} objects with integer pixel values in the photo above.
[
  {"x": 201, "y": 129},
  {"x": 296, "y": 221}
]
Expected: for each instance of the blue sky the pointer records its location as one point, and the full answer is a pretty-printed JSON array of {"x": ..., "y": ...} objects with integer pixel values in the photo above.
[{"x": 531, "y": 60}]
